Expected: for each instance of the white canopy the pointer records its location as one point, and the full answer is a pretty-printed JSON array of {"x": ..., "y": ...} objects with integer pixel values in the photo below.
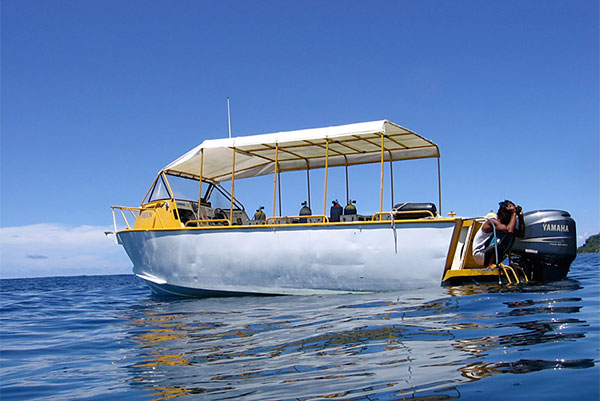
[{"x": 298, "y": 150}]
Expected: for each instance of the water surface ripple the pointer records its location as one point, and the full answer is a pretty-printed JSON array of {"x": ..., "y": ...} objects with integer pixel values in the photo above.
[{"x": 107, "y": 337}]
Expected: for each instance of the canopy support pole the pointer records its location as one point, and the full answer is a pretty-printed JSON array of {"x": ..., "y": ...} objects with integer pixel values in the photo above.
[
  {"x": 439, "y": 168},
  {"x": 381, "y": 180},
  {"x": 326, "y": 170},
  {"x": 347, "y": 186},
  {"x": 392, "y": 179},
  {"x": 200, "y": 185},
  {"x": 308, "y": 182},
  {"x": 279, "y": 189},
  {"x": 232, "y": 189},
  {"x": 275, "y": 177}
]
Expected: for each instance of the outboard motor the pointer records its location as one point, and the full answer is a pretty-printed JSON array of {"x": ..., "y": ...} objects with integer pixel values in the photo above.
[
  {"x": 335, "y": 211},
  {"x": 304, "y": 211},
  {"x": 549, "y": 245}
]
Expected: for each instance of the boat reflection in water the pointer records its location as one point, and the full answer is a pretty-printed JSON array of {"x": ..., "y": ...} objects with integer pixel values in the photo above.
[{"x": 422, "y": 345}]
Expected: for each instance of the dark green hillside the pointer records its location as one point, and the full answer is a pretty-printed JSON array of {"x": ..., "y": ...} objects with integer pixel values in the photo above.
[{"x": 592, "y": 245}]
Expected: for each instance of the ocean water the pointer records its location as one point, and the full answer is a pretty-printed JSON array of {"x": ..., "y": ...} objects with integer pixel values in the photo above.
[{"x": 107, "y": 337}]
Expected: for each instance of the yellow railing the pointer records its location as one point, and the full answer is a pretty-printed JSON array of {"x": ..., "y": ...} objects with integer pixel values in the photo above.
[
  {"x": 122, "y": 209},
  {"x": 513, "y": 269},
  {"x": 131, "y": 210},
  {"x": 323, "y": 218},
  {"x": 284, "y": 220}
]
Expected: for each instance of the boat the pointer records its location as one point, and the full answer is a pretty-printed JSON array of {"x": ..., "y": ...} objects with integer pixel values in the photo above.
[{"x": 192, "y": 236}]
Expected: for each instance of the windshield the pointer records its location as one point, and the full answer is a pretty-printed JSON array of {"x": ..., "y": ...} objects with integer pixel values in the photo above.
[
  {"x": 187, "y": 189},
  {"x": 218, "y": 197},
  {"x": 184, "y": 188},
  {"x": 159, "y": 191}
]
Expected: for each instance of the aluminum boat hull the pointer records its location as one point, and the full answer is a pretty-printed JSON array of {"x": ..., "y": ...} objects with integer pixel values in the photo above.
[{"x": 290, "y": 260}]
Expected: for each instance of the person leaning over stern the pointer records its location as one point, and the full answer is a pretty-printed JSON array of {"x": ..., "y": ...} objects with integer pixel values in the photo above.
[{"x": 505, "y": 223}]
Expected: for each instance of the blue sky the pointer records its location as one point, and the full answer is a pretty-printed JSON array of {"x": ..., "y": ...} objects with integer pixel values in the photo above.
[{"x": 98, "y": 96}]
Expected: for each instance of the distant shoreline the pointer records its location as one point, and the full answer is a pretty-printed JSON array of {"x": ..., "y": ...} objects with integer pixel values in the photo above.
[{"x": 591, "y": 245}]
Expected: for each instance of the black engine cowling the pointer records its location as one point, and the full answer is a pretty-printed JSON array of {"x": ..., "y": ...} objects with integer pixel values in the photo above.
[{"x": 549, "y": 245}]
